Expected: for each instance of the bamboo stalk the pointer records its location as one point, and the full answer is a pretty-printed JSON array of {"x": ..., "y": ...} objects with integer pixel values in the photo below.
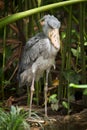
[
  {"x": 3, "y": 63},
  {"x": 82, "y": 28},
  {"x": 66, "y": 56},
  {"x": 68, "y": 64},
  {"x": 26, "y": 26},
  {"x": 20, "y": 15},
  {"x": 69, "y": 29}
]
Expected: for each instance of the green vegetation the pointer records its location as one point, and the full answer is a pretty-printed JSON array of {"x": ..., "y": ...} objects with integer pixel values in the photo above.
[
  {"x": 13, "y": 120},
  {"x": 54, "y": 102},
  {"x": 19, "y": 20}
]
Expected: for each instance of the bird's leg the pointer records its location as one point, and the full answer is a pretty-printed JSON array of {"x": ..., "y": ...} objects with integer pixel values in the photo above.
[
  {"x": 45, "y": 92},
  {"x": 31, "y": 94}
]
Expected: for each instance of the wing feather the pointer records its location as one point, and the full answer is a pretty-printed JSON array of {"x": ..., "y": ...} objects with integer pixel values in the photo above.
[{"x": 37, "y": 46}]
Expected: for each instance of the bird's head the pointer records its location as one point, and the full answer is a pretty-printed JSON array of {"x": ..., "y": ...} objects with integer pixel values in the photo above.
[{"x": 50, "y": 27}]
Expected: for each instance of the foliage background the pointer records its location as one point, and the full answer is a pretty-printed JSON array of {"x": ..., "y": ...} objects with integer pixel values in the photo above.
[{"x": 71, "y": 61}]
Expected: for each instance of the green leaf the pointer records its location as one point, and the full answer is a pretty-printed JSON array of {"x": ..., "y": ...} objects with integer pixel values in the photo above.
[
  {"x": 53, "y": 98},
  {"x": 85, "y": 92},
  {"x": 65, "y": 104},
  {"x": 76, "y": 52},
  {"x": 54, "y": 106},
  {"x": 85, "y": 43},
  {"x": 71, "y": 76},
  {"x": 63, "y": 35}
]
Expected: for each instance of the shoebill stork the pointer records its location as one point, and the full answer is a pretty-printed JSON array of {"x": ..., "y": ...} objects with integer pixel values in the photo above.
[{"x": 39, "y": 55}]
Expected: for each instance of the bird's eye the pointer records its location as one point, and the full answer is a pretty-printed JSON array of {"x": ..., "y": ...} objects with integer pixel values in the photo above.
[{"x": 42, "y": 20}]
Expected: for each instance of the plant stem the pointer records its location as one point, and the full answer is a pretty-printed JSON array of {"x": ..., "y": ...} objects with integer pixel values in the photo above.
[
  {"x": 20, "y": 15},
  {"x": 68, "y": 66},
  {"x": 82, "y": 28},
  {"x": 3, "y": 63}
]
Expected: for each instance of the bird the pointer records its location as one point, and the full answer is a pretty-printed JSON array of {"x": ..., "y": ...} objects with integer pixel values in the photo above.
[{"x": 38, "y": 56}]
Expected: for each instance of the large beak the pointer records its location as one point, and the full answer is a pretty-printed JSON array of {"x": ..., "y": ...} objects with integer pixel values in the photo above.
[{"x": 55, "y": 38}]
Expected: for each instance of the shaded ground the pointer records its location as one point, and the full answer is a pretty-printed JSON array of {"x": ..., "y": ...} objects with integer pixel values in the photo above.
[
  {"x": 68, "y": 122},
  {"x": 56, "y": 119}
]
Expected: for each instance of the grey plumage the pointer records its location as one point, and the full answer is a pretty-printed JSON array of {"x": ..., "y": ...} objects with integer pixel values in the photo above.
[{"x": 39, "y": 52}]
